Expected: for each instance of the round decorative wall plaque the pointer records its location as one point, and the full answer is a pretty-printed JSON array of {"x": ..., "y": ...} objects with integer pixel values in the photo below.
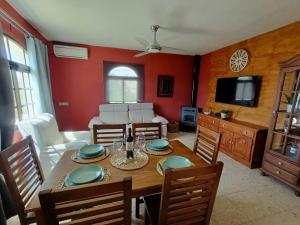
[{"x": 239, "y": 60}]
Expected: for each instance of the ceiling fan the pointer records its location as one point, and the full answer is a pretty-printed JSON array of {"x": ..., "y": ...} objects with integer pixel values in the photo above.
[{"x": 155, "y": 47}]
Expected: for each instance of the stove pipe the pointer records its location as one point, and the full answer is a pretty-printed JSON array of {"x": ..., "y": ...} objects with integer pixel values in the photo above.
[{"x": 196, "y": 69}]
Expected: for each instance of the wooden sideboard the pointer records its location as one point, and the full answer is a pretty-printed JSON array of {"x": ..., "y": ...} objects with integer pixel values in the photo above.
[{"x": 242, "y": 141}]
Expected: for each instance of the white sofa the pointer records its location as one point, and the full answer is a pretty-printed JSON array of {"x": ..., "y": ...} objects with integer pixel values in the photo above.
[
  {"x": 49, "y": 142},
  {"x": 128, "y": 114}
]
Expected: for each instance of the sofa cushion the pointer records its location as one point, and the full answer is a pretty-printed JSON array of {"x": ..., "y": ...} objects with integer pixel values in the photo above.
[
  {"x": 141, "y": 116},
  {"x": 140, "y": 106},
  {"x": 114, "y": 113},
  {"x": 114, "y": 117},
  {"x": 113, "y": 108},
  {"x": 141, "y": 112}
]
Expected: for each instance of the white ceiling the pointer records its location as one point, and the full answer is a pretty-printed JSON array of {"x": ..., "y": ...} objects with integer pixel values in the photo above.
[{"x": 199, "y": 26}]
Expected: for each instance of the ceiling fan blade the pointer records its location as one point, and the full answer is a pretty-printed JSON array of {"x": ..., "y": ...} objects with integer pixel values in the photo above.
[
  {"x": 143, "y": 42},
  {"x": 166, "y": 48},
  {"x": 141, "y": 54}
]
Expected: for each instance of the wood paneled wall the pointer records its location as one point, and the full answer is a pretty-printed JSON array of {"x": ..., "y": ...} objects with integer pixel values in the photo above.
[{"x": 265, "y": 51}]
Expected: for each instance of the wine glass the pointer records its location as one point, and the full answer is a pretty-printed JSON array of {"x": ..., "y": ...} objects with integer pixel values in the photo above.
[
  {"x": 117, "y": 144},
  {"x": 141, "y": 141}
]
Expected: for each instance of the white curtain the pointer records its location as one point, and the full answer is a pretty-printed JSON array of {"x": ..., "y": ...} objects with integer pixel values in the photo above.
[
  {"x": 7, "y": 114},
  {"x": 39, "y": 66}
]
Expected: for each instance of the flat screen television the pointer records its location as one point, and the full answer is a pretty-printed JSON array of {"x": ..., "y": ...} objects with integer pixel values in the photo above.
[{"x": 238, "y": 90}]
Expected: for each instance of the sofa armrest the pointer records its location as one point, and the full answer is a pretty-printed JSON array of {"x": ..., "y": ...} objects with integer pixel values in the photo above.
[
  {"x": 160, "y": 119},
  {"x": 95, "y": 120},
  {"x": 27, "y": 128}
]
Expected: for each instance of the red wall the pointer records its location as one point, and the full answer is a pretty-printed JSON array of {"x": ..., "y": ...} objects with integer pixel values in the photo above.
[
  {"x": 80, "y": 82},
  {"x": 203, "y": 81}
]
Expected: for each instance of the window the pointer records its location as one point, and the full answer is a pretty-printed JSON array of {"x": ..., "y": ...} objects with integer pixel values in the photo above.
[
  {"x": 123, "y": 83},
  {"x": 21, "y": 79},
  {"x": 245, "y": 89}
]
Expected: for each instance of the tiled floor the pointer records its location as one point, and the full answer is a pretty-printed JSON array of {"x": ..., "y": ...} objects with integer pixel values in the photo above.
[{"x": 245, "y": 197}]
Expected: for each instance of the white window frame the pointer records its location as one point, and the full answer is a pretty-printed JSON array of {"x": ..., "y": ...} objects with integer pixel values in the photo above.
[
  {"x": 123, "y": 79},
  {"x": 24, "y": 69},
  {"x": 140, "y": 80}
]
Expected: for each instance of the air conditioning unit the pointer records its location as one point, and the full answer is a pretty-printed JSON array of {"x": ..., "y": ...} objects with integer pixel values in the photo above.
[{"x": 70, "y": 52}]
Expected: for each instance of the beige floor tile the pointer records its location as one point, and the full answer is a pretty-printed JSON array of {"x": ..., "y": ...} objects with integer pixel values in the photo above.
[{"x": 283, "y": 218}]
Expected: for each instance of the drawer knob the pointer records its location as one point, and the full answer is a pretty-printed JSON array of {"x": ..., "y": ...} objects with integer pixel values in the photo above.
[
  {"x": 277, "y": 172},
  {"x": 279, "y": 163}
]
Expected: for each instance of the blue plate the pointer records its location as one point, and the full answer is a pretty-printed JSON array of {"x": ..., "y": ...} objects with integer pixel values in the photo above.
[
  {"x": 85, "y": 174},
  {"x": 69, "y": 183},
  {"x": 175, "y": 162},
  {"x": 159, "y": 143},
  {"x": 91, "y": 150},
  {"x": 88, "y": 157},
  {"x": 150, "y": 147}
]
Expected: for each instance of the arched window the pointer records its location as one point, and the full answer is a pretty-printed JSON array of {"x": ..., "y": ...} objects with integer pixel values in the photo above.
[
  {"x": 122, "y": 71},
  {"x": 123, "y": 83}
]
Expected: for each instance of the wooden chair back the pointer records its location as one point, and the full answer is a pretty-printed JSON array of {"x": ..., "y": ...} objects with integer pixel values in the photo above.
[
  {"x": 106, "y": 133},
  {"x": 150, "y": 130},
  {"x": 106, "y": 203},
  {"x": 207, "y": 144},
  {"x": 188, "y": 195},
  {"x": 23, "y": 174}
]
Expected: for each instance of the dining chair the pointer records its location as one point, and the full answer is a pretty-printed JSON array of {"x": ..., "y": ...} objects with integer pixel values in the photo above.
[
  {"x": 23, "y": 175},
  {"x": 207, "y": 144},
  {"x": 106, "y": 133},
  {"x": 97, "y": 203},
  {"x": 149, "y": 130},
  {"x": 188, "y": 196}
]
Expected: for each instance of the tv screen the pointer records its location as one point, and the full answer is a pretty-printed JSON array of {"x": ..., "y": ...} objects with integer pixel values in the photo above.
[{"x": 238, "y": 90}]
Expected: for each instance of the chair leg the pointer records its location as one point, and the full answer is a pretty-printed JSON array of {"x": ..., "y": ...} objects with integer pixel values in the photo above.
[
  {"x": 147, "y": 219},
  {"x": 137, "y": 207}
]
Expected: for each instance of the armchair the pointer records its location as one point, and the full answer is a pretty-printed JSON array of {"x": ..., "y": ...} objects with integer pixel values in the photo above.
[{"x": 49, "y": 141}]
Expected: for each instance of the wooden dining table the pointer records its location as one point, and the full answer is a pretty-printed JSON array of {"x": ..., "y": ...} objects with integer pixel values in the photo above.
[{"x": 145, "y": 181}]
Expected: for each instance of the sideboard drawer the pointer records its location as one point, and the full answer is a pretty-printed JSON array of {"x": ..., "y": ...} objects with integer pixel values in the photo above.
[
  {"x": 237, "y": 129},
  {"x": 279, "y": 172},
  {"x": 209, "y": 126},
  {"x": 289, "y": 167},
  {"x": 227, "y": 126},
  {"x": 246, "y": 132},
  {"x": 209, "y": 119},
  {"x": 209, "y": 122}
]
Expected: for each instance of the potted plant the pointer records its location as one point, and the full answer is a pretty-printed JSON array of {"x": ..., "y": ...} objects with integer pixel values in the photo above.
[
  {"x": 224, "y": 113},
  {"x": 289, "y": 100}
]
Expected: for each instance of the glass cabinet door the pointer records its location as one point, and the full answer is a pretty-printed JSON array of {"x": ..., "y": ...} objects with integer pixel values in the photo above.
[{"x": 286, "y": 122}]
